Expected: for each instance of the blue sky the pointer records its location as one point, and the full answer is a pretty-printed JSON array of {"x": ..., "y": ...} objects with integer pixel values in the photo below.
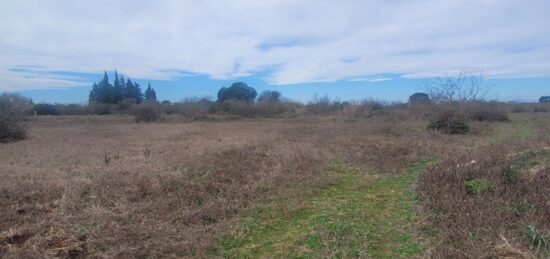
[{"x": 352, "y": 49}]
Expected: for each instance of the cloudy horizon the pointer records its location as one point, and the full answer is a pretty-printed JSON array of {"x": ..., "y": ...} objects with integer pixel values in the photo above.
[{"x": 58, "y": 44}]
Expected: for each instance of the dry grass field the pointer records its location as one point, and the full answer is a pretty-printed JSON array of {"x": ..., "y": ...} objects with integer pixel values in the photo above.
[{"x": 327, "y": 186}]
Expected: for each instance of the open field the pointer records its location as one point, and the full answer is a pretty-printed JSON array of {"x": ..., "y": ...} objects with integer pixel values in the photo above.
[{"x": 327, "y": 186}]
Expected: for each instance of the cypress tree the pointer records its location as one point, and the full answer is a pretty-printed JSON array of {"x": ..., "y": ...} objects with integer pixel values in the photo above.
[
  {"x": 105, "y": 90},
  {"x": 93, "y": 94},
  {"x": 153, "y": 95},
  {"x": 116, "y": 83},
  {"x": 133, "y": 91},
  {"x": 130, "y": 92},
  {"x": 150, "y": 93},
  {"x": 138, "y": 93},
  {"x": 118, "y": 91}
]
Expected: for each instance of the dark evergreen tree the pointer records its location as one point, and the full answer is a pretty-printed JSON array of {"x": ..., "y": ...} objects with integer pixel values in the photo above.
[
  {"x": 150, "y": 94},
  {"x": 133, "y": 91},
  {"x": 116, "y": 82},
  {"x": 544, "y": 99},
  {"x": 93, "y": 93},
  {"x": 138, "y": 93},
  {"x": 104, "y": 92},
  {"x": 130, "y": 90},
  {"x": 119, "y": 89}
]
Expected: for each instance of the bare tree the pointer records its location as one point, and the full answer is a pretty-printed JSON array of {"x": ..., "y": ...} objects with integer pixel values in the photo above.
[{"x": 460, "y": 88}]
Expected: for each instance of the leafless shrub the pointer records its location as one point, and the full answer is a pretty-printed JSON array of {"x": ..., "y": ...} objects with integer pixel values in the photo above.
[
  {"x": 519, "y": 107},
  {"x": 366, "y": 108},
  {"x": 147, "y": 112},
  {"x": 324, "y": 105},
  {"x": 190, "y": 107},
  {"x": 251, "y": 110},
  {"x": 486, "y": 111},
  {"x": 542, "y": 107},
  {"x": 101, "y": 108},
  {"x": 463, "y": 87},
  {"x": 13, "y": 108}
]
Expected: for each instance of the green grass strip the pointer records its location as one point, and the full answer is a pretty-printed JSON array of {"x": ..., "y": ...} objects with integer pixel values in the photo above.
[{"x": 357, "y": 215}]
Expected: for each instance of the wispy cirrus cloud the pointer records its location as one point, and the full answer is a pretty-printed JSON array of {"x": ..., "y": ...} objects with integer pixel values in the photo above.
[{"x": 285, "y": 41}]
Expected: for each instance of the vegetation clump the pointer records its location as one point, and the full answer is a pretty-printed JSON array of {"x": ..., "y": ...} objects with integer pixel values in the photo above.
[
  {"x": 238, "y": 91},
  {"x": 420, "y": 98},
  {"x": 269, "y": 97},
  {"x": 476, "y": 186},
  {"x": 13, "y": 109},
  {"x": 450, "y": 122},
  {"x": 147, "y": 112},
  {"x": 486, "y": 111},
  {"x": 538, "y": 239},
  {"x": 104, "y": 92}
]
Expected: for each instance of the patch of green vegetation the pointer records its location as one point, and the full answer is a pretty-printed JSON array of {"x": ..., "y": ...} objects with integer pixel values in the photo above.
[
  {"x": 84, "y": 230},
  {"x": 530, "y": 159},
  {"x": 538, "y": 238},
  {"x": 521, "y": 208},
  {"x": 358, "y": 215},
  {"x": 477, "y": 186},
  {"x": 518, "y": 128}
]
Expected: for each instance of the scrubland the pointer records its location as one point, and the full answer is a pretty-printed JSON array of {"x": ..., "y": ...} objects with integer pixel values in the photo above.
[{"x": 303, "y": 186}]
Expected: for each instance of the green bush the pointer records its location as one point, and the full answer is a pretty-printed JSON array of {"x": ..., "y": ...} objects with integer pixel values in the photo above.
[{"x": 450, "y": 122}]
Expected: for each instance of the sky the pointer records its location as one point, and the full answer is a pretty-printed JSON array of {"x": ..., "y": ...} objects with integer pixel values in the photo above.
[{"x": 351, "y": 49}]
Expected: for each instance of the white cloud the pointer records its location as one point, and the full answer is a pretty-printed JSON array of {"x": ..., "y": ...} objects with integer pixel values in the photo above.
[{"x": 294, "y": 41}]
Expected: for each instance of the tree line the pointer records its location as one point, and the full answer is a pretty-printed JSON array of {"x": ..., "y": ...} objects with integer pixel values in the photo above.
[{"x": 107, "y": 93}]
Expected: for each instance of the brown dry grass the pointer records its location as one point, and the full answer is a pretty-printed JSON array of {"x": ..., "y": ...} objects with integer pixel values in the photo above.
[{"x": 91, "y": 186}]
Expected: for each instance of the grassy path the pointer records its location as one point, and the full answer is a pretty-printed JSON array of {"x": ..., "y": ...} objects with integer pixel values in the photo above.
[{"x": 358, "y": 215}]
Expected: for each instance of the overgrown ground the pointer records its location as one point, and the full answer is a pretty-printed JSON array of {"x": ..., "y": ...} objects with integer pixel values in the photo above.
[{"x": 103, "y": 186}]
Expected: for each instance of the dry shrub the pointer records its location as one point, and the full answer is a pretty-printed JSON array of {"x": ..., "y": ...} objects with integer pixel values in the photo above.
[
  {"x": 190, "y": 107},
  {"x": 273, "y": 109},
  {"x": 529, "y": 107},
  {"x": 251, "y": 110},
  {"x": 101, "y": 108},
  {"x": 147, "y": 112},
  {"x": 519, "y": 108},
  {"x": 235, "y": 107},
  {"x": 542, "y": 107},
  {"x": 363, "y": 109},
  {"x": 11, "y": 128},
  {"x": 513, "y": 197},
  {"x": 13, "y": 109},
  {"x": 486, "y": 111},
  {"x": 325, "y": 105}
]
